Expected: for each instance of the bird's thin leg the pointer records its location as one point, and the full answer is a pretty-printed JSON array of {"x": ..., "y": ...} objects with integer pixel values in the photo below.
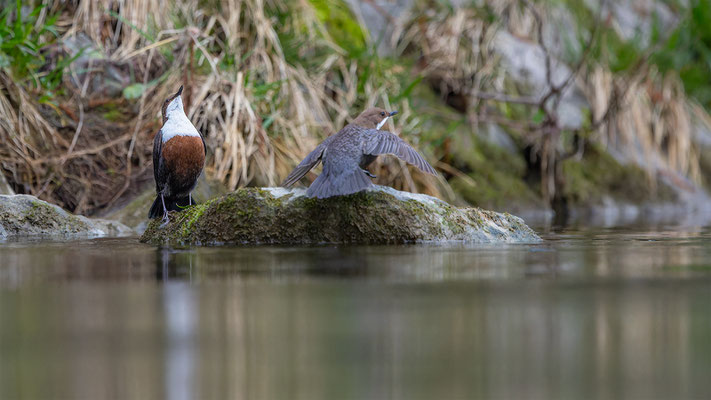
[
  {"x": 190, "y": 199},
  {"x": 165, "y": 212},
  {"x": 368, "y": 173},
  {"x": 162, "y": 200}
]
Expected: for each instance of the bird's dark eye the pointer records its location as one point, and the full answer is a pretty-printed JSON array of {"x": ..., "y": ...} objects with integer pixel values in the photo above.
[{"x": 382, "y": 113}]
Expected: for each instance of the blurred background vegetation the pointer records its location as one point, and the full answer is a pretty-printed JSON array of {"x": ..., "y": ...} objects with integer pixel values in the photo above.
[{"x": 520, "y": 105}]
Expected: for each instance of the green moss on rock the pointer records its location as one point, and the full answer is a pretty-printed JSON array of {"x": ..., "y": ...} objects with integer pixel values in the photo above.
[
  {"x": 598, "y": 174},
  {"x": 379, "y": 216}
]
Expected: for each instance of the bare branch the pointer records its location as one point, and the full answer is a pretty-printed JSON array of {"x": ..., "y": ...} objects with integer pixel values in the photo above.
[
  {"x": 587, "y": 49},
  {"x": 502, "y": 97},
  {"x": 541, "y": 42},
  {"x": 381, "y": 11}
]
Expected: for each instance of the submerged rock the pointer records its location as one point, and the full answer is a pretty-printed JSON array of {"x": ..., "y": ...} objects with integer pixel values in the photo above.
[
  {"x": 24, "y": 215},
  {"x": 377, "y": 216}
]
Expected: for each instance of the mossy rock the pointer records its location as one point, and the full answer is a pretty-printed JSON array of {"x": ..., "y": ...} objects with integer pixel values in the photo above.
[
  {"x": 24, "y": 215},
  {"x": 598, "y": 175},
  {"x": 381, "y": 215}
]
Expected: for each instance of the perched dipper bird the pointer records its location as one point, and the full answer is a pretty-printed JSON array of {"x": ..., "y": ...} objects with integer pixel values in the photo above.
[
  {"x": 178, "y": 157},
  {"x": 347, "y": 154}
]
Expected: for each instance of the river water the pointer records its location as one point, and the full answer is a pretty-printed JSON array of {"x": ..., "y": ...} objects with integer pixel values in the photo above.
[{"x": 595, "y": 313}]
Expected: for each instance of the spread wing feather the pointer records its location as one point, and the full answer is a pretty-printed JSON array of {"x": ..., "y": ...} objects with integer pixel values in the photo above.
[
  {"x": 383, "y": 142},
  {"x": 307, "y": 163}
]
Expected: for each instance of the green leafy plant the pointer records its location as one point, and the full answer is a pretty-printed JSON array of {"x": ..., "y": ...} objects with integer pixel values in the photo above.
[
  {"x": 688, "y": 51},
  {"x": 22, "y": 43}
]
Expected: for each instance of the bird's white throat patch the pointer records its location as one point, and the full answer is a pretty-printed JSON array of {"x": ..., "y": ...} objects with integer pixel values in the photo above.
[
  {"x": 380, "y": 125},
  {"x": 177, "y": 123}
]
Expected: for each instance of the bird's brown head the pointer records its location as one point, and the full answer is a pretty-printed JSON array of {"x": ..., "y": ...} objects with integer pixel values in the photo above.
[
  {"x": 171, "y": 103},
  {"x": 373, "y": 118}
]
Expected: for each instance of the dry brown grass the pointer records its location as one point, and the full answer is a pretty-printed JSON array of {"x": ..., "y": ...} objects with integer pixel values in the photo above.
[
  {"x": 455, "y": 50},
  {"x": 65, "y": 151},
  {"x": 302, "y": 105},
  {"x": 653, "y": 125}
]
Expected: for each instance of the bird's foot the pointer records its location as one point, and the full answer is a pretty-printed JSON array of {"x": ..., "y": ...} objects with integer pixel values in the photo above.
[
  {"x": 365, "y": 171},
  {"x": 164, "y": 221}
]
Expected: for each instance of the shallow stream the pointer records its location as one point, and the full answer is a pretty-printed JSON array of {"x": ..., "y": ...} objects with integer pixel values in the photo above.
[{"x": 594, "y": 313}]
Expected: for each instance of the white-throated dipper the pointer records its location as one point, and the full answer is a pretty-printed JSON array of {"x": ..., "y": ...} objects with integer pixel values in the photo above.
[
  {"x": 178, "y": 158},
  {"x": 347, "y": 154}
]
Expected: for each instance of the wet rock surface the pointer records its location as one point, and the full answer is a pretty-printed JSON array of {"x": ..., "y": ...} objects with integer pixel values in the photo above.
[{"x": 379, "y": 216}]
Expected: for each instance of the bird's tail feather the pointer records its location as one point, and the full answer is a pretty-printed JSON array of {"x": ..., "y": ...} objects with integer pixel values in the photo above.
[
  {"x": 178, "y": 204},
  {"x": 327, "y": 185}
]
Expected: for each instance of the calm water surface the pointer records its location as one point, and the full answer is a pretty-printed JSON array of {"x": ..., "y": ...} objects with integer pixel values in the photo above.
[{"x": 606, "y": 313}]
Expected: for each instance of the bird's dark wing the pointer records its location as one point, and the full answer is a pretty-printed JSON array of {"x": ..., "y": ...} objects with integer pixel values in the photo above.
[
  {"x": 157, "y": 149},
  {"x": 383, "y": 142},
  {"x": 307, "y": 163}
]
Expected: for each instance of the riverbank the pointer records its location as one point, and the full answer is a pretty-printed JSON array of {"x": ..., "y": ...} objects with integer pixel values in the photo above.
[{"x": 466, "y": 80}]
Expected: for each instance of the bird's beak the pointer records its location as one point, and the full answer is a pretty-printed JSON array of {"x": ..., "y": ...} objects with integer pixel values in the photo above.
[
  {"x": 180, "y": 91},
  {"x": 393, "y": 113}
]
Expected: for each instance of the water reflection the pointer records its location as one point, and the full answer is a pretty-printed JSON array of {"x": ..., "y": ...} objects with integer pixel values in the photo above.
[
  {"x": 181, "y": 315},
  {"x": 579, "y": 255},
  {"x": 606, "y": 314}
]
